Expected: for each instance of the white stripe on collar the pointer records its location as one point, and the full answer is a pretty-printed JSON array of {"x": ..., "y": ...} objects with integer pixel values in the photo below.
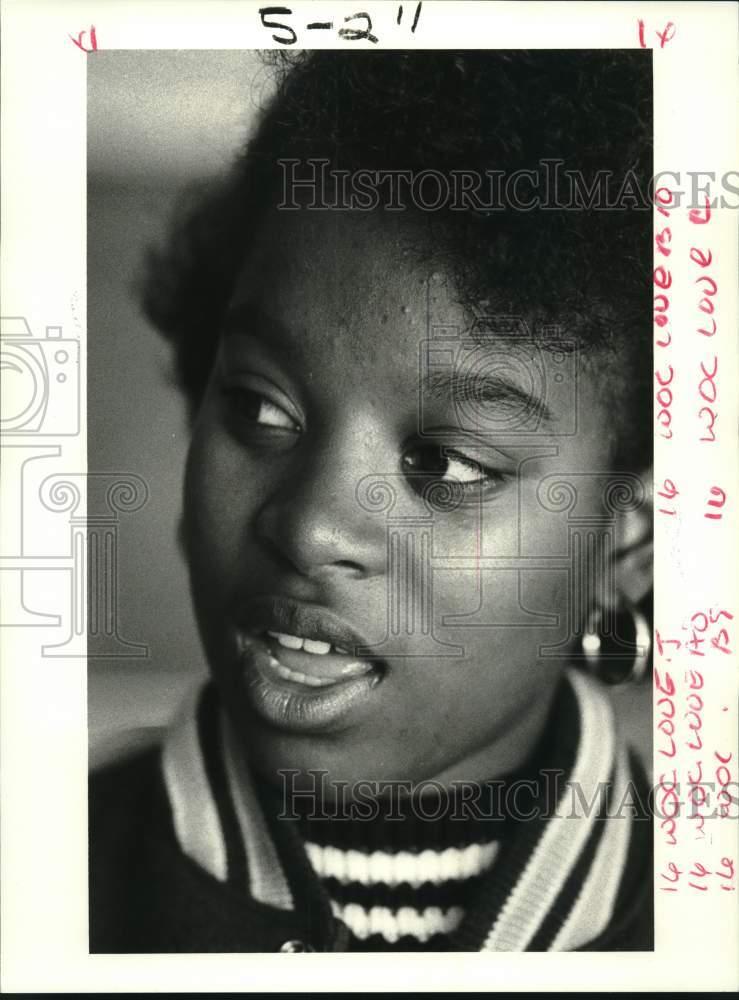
[
  {"x": 267, "y": 881},
  {"x": 594, "y": 905},
  {"x": 194, "y": 812},
  {"x": 195, "y": 815},
  {"x": 557, "y": 852}
]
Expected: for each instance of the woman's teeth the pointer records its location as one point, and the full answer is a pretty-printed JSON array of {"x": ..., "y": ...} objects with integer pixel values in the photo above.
[
  {"x": 297, "y": 676},
  {"x": 320, "y": 673},
  {"x": 309, "y": 645}
]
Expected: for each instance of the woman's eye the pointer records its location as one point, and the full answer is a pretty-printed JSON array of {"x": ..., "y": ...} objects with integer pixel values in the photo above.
[
  {"x": 257, "y": 409},
  {"x": 463, "y": 470},
  {"x": 429, "y": 464}
]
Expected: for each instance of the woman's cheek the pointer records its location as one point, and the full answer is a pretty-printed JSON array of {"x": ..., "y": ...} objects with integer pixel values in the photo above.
[{"x": 213, "y": 505}]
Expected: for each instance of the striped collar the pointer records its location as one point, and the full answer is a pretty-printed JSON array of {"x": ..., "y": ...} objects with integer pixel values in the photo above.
[{"x": 553, "y": 887}]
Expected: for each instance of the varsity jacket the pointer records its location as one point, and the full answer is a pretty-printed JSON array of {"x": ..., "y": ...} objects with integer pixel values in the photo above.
[{"x": 188, "y": 853}]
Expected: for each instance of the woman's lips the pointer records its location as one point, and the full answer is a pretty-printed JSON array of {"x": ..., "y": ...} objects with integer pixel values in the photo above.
[
  {"x": 270, "y": 613},
  {"x": 298, "y": 690}
]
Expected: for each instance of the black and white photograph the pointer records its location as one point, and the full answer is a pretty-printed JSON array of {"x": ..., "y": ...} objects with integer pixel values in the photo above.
[
  {"x": 368, "y": 428},
  {"x": 410, "y": 331}
]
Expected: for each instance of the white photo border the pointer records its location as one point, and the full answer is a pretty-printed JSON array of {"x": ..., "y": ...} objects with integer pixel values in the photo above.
[{"x": 43, "y": 704}]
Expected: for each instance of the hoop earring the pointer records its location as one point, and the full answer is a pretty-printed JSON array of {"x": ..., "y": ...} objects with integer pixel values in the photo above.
[{"x": 616, "y": 644}]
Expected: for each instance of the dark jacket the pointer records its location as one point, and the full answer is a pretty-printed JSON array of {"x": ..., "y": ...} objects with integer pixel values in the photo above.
[{"x": 185, "y": 855}]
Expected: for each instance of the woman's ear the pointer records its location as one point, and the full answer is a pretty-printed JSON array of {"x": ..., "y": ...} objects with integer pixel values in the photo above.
[{"x": 634, "y": 552}]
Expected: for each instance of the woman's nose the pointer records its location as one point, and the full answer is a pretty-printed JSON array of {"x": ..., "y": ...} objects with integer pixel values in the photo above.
[{"x": 313, "y": 519}]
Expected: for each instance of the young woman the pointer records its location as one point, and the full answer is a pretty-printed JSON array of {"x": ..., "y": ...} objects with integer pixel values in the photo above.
[{"x": 413, "y": 326}]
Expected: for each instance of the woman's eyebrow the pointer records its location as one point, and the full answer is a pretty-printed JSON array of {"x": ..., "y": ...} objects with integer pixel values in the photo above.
[
  {"x": 478, "y": 387},
  {"x": 247, "y": 318}
]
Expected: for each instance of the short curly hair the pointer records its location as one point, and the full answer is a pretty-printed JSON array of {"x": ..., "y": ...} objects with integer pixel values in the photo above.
[{"x": 584, "y": 267}]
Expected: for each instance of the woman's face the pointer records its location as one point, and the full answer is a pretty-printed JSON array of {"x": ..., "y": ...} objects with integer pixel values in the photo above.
[{"x": 376, "y": 561}]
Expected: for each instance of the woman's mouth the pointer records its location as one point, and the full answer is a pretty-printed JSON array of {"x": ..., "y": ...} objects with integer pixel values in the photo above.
[
  {"x": 314, "y": 662},
  {"x": 305, "y": 683}
]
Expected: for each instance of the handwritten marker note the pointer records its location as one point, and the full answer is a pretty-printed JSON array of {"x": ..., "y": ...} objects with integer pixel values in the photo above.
[
  {"x": 86, "y": 40},
  {"x": 356, "y": 27},
  {"x": 695, "y": 479},
  {"x": 695, "y": 761},
  {"x": 687, "y": 688}
]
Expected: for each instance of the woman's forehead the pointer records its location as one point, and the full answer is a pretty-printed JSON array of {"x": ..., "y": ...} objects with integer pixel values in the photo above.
[
  {"x": 306, "y": 240},
  {"x": 372, "y": 279},
  {"x": 357, "y": 272}
]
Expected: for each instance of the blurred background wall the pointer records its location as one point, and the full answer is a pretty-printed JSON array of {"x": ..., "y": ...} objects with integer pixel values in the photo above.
[{"x": 157, "y": 120}]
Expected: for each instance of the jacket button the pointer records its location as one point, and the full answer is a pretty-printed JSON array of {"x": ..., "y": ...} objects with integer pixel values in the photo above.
[{"x": 289, "y": 947}]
